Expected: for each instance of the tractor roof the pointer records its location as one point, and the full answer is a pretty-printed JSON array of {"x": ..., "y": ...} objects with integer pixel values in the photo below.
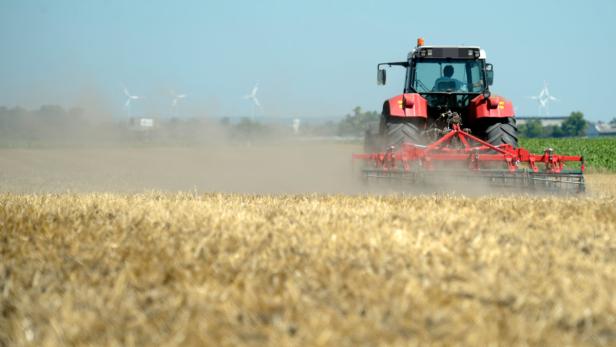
[{"x": 453, "y": 52}]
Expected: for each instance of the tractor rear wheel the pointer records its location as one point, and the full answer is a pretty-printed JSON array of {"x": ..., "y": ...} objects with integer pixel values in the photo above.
[
  {"x": 501, "y": 131},
  {"x": 399, "y": 131}
]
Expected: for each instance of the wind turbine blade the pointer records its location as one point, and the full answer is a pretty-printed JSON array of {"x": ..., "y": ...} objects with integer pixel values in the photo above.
[
  {"x": 126, "y": 92},
  {"x": 256, "y": 102},
  {"x": 127, "y": 103}
]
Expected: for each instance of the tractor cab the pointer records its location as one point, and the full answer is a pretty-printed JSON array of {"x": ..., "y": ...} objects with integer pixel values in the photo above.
[{"x": 449, "y": 77}]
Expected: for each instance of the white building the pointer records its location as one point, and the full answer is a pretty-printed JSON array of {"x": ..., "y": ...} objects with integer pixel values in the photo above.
[
  {"x": 545, "y": 120},
  {"x": 142, "y": 124},
  {"x": 605, "y": 129}
]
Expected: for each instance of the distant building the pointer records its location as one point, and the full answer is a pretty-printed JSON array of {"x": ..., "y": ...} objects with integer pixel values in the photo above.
[
  {"x": 605, "y": 129},
  {"x": 295, "y": 125},
  {"x": 142, "y": 124},
  {"x": 546, "y": 121}
]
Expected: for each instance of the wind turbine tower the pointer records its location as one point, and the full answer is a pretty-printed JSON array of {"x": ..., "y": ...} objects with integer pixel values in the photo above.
[
  {"x": 129, "y": 99},
  {"x": 253, "y": 96},
  {"x": 174, "y": 102}
]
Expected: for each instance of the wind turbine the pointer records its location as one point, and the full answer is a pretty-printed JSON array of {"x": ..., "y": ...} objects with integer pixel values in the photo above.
[
  {"x": 544, "y": 98},
  {"x": 253, "y": 96},
  {"x": 175, "y": 100},
  {"x": 129, "y": 98}
]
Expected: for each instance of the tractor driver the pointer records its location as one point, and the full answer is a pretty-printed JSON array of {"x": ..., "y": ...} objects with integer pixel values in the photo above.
[{"x": 447, "y": 83}]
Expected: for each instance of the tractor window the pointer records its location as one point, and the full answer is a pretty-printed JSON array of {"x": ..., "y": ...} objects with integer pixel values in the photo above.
[
  {"x": 476, "y": 82},
  {"x": 432, "y": 75}
]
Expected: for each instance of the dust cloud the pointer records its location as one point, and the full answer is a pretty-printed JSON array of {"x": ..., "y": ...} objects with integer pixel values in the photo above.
[
  {"x": 280, "y": 168},
  {"x": 289, "y": 167},
  {"x": 86, "y": 149}
]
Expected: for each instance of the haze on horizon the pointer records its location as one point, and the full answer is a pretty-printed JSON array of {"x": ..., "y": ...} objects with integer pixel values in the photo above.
[{"x": 311, "y": 59}]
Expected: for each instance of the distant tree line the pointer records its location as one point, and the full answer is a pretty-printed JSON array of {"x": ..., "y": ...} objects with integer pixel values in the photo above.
[
  {"x": 574, "y": 125},
  {"x": 50, "y": 123},
  {"x": 53, "y": 124},
  {"x": 56, "y": 126},
  {"x": 355, "y": 124}
]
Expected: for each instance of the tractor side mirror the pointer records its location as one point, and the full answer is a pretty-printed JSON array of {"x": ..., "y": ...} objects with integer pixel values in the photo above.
[
  {"x": 490, "y": 74},
  {"x": 381, "y": 77}
]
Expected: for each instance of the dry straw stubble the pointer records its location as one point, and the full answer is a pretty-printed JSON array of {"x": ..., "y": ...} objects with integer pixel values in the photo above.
[{"x": 215, "y": 269}]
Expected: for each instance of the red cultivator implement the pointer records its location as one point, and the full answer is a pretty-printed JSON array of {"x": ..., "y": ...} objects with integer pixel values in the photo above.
[{"x": 461, "y": 158}]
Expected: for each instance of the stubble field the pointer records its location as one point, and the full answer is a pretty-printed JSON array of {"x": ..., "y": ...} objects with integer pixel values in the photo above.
[{"x": 216, "y": 269}]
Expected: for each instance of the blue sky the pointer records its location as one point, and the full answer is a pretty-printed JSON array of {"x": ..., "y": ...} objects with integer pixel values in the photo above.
[{"x": 311, "y": 58}]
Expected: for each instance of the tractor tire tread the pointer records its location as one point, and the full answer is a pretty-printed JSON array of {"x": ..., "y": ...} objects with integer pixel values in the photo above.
[
  {"x": 502, "y": 132},
  {"x": 400, "y": 132}
]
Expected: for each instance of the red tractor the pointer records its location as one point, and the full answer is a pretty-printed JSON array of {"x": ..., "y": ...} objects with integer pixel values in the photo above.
[{"x": 447, "y": 122}]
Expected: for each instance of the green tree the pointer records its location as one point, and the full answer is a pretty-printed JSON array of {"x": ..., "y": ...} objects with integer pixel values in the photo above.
[
  {"x": 574, "y": 125},
  {"x": 357, "y": 123},
  {"x": 532, "y": 128},
  {"x": 556, "y": 131}
]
